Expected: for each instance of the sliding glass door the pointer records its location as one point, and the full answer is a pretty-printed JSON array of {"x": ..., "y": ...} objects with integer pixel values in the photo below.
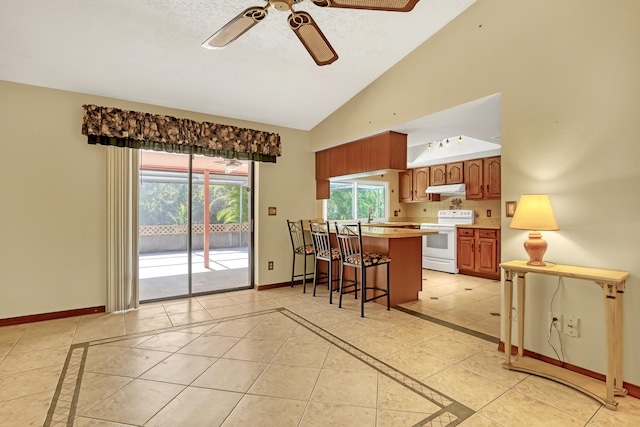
[{"x": 194, "y": 225}]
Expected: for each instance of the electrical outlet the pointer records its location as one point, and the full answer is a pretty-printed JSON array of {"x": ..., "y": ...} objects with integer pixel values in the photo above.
[
  {"x": 570, "y": 326},
  {"x": 270, "y": 265},
  {"x": 555, "y": 322}
]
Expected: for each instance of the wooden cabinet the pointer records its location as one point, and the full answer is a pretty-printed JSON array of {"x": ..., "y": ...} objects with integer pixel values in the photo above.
[
  {"x": 322, "y": 175},
  {"x": 449, "y": 173},
  {"x": 479, "y": 252},
  {"x": 438, "y": 175},
  {"x": 380, "y": 152},
  {"x": 455, "y": 173},
  {"x": 405, "y": 181},
  {"x": 492, "y": 178},
  {"x": 420, "y": 184},
  {"x": 413, "y": 184},
  {"x": 482, "y": 178},
  {"x": 466, "y": 246}
]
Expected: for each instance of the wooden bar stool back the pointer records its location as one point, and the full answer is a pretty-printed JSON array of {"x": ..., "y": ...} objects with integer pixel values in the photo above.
[{"x": 349, "y": 238}]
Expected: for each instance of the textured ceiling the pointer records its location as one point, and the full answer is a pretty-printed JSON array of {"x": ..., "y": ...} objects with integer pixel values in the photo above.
[{"x": 150, "y": 51}]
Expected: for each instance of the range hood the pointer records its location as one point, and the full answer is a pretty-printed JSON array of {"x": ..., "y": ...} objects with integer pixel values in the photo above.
[{"x": 447, "y": 190}]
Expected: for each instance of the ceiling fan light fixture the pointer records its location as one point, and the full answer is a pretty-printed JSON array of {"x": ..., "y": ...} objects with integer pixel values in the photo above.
[{"x": 281, "y": 5}]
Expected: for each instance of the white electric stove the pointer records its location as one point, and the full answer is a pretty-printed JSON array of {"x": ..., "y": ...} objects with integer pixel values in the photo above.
[{"x": 439, "y": 251}]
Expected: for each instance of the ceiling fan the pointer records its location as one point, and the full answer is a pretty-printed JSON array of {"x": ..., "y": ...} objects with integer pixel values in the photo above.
[
  {"x": 301, "y": 23},
  {"x": 230, "y": 165}
]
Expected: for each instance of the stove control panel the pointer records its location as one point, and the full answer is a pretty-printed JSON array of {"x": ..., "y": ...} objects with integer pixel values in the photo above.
[{"x": 457, "y": 216}]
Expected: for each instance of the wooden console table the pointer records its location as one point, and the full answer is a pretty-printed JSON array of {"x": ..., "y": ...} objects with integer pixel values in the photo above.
[{"x": 612, "y": 284}]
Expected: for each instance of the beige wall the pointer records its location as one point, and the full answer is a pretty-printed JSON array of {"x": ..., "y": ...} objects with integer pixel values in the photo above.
[
  {"x": 567, "y": 72},
  {"x": 52, "y": 245}
]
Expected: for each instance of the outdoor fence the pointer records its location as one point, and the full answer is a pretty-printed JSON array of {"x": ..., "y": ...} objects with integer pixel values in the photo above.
[{"x": 173, "y": 238}]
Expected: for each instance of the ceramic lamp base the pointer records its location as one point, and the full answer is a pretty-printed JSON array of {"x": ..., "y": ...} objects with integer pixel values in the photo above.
[{"x": 535, "y": 247}]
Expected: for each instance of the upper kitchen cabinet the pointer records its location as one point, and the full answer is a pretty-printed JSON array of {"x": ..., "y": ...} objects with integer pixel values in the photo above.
[
  {"x": 482, "y": 178},
  {"x": 492, "y": 178},
  {"x": 322, "y": 174},
  {"x": 372, "y": 155},
  {"x": 413, "y": 186},
  {"x": 405, "y": 182},
  {"x": 450, "y": 173}
]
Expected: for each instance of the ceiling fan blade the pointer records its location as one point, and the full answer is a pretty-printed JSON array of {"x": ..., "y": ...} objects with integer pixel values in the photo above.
[
  {"x": 312, "y": 38},
  {"x": 236, "y": 27},
  {"x": 388, "y": 5}
]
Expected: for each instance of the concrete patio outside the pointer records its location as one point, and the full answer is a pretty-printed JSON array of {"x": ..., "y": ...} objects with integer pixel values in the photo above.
[{"x": 165, "y": 274}]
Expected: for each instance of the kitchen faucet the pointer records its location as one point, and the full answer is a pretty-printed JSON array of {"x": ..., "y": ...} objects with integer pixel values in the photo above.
[{"x": 369, "y": 216}]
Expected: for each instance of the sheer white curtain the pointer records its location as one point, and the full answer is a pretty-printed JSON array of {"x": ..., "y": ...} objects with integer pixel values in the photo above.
[{"x": 122, "y": 228}]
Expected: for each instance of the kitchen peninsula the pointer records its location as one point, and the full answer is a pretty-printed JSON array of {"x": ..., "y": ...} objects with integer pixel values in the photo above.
[{"x": 404, "y": 246}]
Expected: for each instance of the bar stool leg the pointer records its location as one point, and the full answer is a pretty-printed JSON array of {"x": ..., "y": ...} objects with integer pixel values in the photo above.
[
  {"x": 330, "y": 281},
  {"x": 388, "y": 297},
  {"x": 340, "y": 287},
  {"x": 304, "y": 273},
  {"x": 315, "y": 274},
  {"x": 363, "y": 289}
]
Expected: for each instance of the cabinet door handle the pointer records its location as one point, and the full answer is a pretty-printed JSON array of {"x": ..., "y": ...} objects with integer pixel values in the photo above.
[
  {"x": 487, "y": 188},
  {"x": 480, "y": 188},
  {"x": 472, "y": 247}
]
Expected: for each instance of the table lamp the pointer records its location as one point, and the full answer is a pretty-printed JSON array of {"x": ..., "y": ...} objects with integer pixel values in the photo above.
[{"x": 534, "y": 213}]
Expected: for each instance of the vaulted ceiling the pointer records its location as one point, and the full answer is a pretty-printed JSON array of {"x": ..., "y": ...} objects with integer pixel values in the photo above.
[{"x": 150, "y": 51}]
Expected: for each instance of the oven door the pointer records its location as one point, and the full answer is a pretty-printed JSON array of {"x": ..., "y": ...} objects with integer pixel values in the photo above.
[
  {"x": 439, "y": 251},
  {"x": 441, "y": 245}
]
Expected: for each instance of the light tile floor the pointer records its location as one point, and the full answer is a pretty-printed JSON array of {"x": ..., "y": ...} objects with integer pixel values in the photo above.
[
  {"x": 279, "y": 358},
  {"x": 467, "y": 301}
]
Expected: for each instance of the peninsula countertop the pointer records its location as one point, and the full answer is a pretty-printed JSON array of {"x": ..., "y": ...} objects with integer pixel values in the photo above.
[
  {"x": 393, "y": 232},
  {"x": 398, "y": 224}
]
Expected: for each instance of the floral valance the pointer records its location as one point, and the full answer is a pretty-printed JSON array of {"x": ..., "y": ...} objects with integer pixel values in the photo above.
[{"x": 133, "y": 129}]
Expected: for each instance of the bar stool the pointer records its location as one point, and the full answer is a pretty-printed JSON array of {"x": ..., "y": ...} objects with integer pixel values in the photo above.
[
  {"x": 300, "y": 248},
  {"x": 349, "y": 238},
  {"x": 324, "y": 252}
]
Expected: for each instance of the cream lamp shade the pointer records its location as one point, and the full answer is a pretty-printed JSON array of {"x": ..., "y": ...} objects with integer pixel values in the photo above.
[{"x": 534, "y": 213}]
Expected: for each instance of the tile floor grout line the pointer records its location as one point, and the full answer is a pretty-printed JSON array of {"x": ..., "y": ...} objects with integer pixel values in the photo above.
[
  {"x": 466, "y": 412},
  {"x": 61, "y": 383},
  {"x": 366, "y": 358},
  {"x": 86, "y": 345},
  {"x": 449, "y": 325}
]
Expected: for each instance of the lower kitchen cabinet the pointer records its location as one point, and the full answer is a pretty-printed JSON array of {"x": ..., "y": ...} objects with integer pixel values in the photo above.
[{"x": 479, "y": 252}]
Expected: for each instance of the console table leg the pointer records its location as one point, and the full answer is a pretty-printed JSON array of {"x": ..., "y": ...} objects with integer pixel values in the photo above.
[
  {"x": 610, "y": 313},
  {"x": 508, "y": 301},
  {"x": 521, "y": 295},
  {"x": 618, "y": 385}
]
